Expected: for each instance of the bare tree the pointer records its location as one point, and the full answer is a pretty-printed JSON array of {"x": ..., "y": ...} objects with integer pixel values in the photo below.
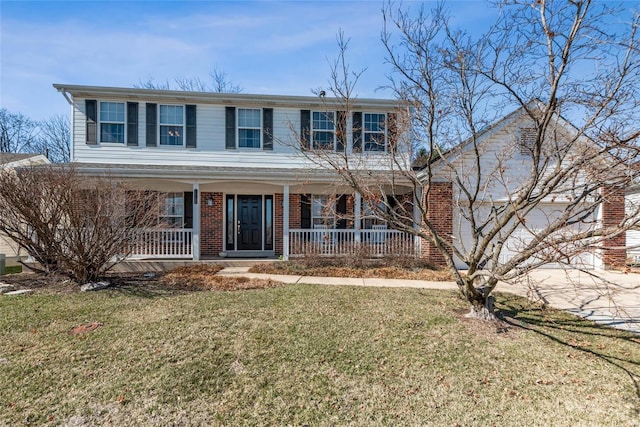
[
  {"x": 54, "y": 139},
  {"x": 18, "y": 133},
  {"x": 543, "y": 61},
  {"x": 219, "y": 84},
  {"x": 71, "y": 224},
  {"x": 150, "y": 83}
]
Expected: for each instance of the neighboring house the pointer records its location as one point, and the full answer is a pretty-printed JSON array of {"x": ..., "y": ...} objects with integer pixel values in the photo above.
[
  {"x": 234, "y": 182},
  {"x": 11, "y": 161}
]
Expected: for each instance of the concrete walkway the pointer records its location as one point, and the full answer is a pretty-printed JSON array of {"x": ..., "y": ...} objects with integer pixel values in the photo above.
[{"x": 610, "y": 298}]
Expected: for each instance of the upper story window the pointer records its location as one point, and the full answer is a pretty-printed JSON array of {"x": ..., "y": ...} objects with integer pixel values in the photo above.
[
  {"x": 373, "y": 130},
  {"x": 323, "y": 130},
  {"x": 171, "y": 124},
  {"x": 112, "y": 120},
  {"x": 249, "y": 127}
]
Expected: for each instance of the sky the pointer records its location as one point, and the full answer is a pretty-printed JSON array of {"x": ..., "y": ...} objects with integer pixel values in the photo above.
[{"x": 265, "y": 47}]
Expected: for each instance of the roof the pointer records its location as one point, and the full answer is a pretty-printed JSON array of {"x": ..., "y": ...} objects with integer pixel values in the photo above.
[
  {"x": 78, "y": 91},
  {"x": 6, "y": 158},
  {"x": 208, "y": 173}
]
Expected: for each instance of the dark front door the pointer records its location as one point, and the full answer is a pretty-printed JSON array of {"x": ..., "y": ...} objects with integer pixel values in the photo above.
[{"x": 249, "y": 223}]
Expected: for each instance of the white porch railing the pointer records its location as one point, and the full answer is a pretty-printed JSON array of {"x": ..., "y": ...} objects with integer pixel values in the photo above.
[
  {"x": 163, "y": 243},
  {"x": 374, "y": 243}
]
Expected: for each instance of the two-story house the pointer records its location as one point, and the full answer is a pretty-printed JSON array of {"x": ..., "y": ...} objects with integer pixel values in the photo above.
[
  {"x": 230, "y": 170},
  {"x": 235, "y": 181}
]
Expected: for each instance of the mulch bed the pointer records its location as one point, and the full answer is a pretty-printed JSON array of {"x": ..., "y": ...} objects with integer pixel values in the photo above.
[{"x": 180, "y": 280}]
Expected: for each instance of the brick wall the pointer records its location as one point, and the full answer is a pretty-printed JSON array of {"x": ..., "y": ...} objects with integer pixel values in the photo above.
[
  {"x": 439, "y": 201},
  {"x": 295, "y": 211},
  {"x": 211, "y": 225},
  {"x": 294, "y": 217},
  {"x": 614, "y": 251}
]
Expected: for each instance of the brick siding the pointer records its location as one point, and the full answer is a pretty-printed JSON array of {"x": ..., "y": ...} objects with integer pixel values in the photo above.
[
  {"x": 614, "y": 251},
  {"x": 439, "y": 200},
  {"x": 211, "y": 225}
]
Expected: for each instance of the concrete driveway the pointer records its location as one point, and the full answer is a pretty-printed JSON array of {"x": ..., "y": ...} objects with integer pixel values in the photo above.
[{"x": 606, "y": 297}]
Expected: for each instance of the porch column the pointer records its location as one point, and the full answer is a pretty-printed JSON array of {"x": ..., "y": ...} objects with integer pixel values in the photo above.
[
  {"x": 417, "y": 219},
  {"x": 285, "y": 222},
  {"x": 357, "y": 216},
  {"x": 195, "y": 238}
]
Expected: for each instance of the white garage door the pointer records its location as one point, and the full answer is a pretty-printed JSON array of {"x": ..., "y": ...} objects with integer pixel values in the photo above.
[{"x": 536, "y": 220}]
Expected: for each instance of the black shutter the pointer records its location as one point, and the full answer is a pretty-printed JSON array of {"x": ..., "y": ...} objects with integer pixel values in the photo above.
[
  {"x": 357, "y": 132},
  {"x": 188, "y": 209},
  {"x": 132, "y": 124},
  {"x": 341, "y": 130},
  {"x": 190, "y": 131},
  {"x": 91, "y": 111},
  {"x": 305, "y": 129},
  {"x": 392, "y": 131},
  {"x": 305, "y": 211},
  {"x": 341, "y": 211},
  {"x": 230, "y": 125},
  {"x": 267, "y": 128},
  {"x": 152, "y": 125}
]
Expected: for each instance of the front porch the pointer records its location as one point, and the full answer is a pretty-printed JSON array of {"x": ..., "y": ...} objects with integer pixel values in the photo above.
[{"x": 374, "y": 243}]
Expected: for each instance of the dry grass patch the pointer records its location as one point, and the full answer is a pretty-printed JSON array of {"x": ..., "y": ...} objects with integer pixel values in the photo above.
[
  {"x": 203, "y": 277},
  {"x": 395, "y": 268},
  {"x": 308, "y": 355}
]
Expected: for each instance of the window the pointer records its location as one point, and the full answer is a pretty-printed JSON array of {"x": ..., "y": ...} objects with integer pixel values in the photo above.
[
  {"x": 172, "y": 213},
  {"x": 374, "y": 132},
  {"x": 112, "y": 122},
  {"x": 231, "y": 230},
  {"x": 171, "y": 124},
  {"x": 249, "y": 128},
  {"x": 322, "y": 211},
  {"x": 323, "y": 130},
  {"x": 370, "y": 217},
  {"x": 268, "y": 222}
]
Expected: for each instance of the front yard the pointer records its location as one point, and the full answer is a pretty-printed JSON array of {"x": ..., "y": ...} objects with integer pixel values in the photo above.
[{"x": 306, "y": 355}]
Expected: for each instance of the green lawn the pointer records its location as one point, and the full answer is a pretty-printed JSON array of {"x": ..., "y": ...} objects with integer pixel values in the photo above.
[
  {"x": 13, "y": 269},
  {"x": 307, "y": 355}
]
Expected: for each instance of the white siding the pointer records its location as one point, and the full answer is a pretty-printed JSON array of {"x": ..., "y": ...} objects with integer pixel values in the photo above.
[
  {"x": 210, "y": 141},
  {"x": 633, "y": 236},
  {"x": 8, "y": 247}
]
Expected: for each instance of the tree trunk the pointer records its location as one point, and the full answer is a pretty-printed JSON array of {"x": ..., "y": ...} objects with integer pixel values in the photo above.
[{"x": 482, "y": 305}]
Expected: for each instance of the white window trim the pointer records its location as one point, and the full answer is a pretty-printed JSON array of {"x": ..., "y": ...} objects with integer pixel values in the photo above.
[
  {"x": 245, "y": 127},
  {"x": 183, "y": 125},
  {"x": 384, "y": 132},
  {"x": 333, "y": 131},
  {"x": 100, "y": 122}
]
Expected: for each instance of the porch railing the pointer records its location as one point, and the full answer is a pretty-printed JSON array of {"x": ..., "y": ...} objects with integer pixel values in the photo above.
[
  {"x": 373, "y": 243},
  {"x": 163, "y": 243}
]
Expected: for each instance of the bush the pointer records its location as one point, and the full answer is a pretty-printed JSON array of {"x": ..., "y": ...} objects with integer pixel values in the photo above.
[{"x": 71, "y": 224}]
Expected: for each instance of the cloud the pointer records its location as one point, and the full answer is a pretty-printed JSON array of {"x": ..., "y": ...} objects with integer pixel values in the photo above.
[{"x": 265, "y": 47}]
